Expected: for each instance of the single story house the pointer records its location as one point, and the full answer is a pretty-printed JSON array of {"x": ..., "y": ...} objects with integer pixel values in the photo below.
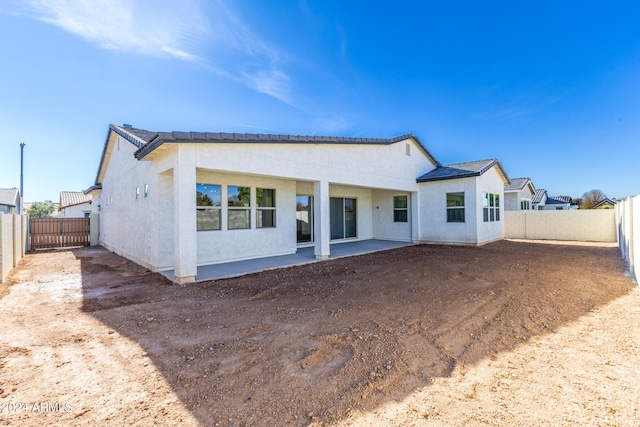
[
  {"x": 75, "y": 204},
  {"x": 542, "y": 202},
  {"x": 9, "y": 200},
  {"x": 518, "y": 194},
  {"x": 179, "y": 200}
]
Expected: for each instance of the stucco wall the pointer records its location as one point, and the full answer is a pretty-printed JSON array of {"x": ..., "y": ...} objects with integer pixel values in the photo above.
[
  {"x": 13, "y": 231},
  {"x": 375, "y": 166},
  {"x": 382, "y": 211},
  {"x": 512, "y": 199},
  {"x": 129, "y": 221},
  {"x": 578, "y": 225},
  {"x": 434, "y": 227}
]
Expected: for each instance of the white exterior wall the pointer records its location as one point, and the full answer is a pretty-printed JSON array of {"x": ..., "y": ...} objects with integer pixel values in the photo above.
[
  {"x": 382, "y": 211},
  {"x": 145, "y": 229},
  {"x": 512, "y": 199},
  {"x": 489, "y": 182},
  {"x": 77, "y": 211},
  {"x": 129, "y": 225},
  {"x": 13, "y": 238},
  {"x": 434, "y": 227}
]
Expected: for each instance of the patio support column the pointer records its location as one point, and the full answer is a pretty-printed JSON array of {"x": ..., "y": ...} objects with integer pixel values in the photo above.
[
  {"x": 415, "y": 216},
  {"x": 184, "y": 214},
  {"x": 321, "y": 233}
]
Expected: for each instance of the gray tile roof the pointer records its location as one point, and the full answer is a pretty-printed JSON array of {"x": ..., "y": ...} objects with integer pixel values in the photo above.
[
  {"x": 9, "y": 197},
  {"x": 462, "y": 170},
  {"x": 516, "y": 184},
  {"x": 147, "y": 141},
  {"x": 72, "y": 198},
  {"x": 539, "y": 195}
]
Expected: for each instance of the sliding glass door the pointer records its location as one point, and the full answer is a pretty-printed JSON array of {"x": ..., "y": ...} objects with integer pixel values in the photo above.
[{"x": 343, "y": 215}]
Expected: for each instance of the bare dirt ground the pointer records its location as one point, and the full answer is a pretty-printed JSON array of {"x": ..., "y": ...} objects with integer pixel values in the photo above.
[{"x": 513, "y": 333}]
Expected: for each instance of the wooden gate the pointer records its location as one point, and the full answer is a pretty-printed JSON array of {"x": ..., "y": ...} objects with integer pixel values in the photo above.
[{"x": 47, "y": 233}]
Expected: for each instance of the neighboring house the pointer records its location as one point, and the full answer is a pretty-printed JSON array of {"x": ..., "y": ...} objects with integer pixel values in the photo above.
[
  {"x": 542, "y": 202},
  {"x": 75, "y": 204},
  {"x": 9, "y": 200},
  {"x": 605, "y": 204},
  {"x": 179, "y": 200},
  {"x": 518, "y": 194}
]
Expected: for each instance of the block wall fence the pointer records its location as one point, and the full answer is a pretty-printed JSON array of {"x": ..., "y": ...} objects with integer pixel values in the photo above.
[
  {"x": 627, "y": 211},
  {"x": 598, "y": 225},
  {"x": 13, "y": 241}
]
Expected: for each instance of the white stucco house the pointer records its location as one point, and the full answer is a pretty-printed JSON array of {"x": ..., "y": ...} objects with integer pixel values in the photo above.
[
  {"x": 542, "y": 202},
  {"x": 179, "y": 200},
  {"x": 518, "y": 194},
  {"x": 75, "y": 204}
]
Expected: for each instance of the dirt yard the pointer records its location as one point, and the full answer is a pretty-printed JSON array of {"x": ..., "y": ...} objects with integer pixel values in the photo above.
[{"x": 509, "y": 334}]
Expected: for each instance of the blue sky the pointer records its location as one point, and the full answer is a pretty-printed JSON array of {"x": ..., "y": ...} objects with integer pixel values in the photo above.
[{"x": 550, "y": 88}]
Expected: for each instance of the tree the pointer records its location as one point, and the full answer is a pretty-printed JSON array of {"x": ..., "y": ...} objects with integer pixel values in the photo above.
[
  {"x": 591, "y": 197},
  {"x": 41, "y": 210}
]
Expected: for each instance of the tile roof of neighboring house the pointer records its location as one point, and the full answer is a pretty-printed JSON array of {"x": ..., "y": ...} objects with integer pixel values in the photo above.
[
  {"x": 539, "y": 195},
  {"x": 9, "y": 197},
  {"x": 72, "y": 198},
  {"x": 516, "y": 184},
  {"x": 462, "y": 170},
  {"x": 147, "y": 141},
  {"x": 558, "y": 200}
]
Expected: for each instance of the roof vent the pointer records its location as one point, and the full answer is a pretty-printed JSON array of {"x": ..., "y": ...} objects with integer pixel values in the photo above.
[{"x": 127, "y": 126}]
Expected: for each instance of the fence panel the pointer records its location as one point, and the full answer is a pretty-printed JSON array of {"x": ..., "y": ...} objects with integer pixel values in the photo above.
[{"x": 46, "y": 233}]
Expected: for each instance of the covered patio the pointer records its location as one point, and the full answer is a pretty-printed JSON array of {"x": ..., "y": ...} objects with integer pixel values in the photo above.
[{"x": 304, "y": 255}]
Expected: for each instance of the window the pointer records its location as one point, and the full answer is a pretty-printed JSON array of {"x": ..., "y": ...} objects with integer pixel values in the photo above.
[
  {"x": 208, "y": 207},
  {"x": 455, "y": 207},
  {"x": 137, "y": 192},
  {"x": 239, "y": 211},
  {"x": 146, "y": 190},
  {"x": 525, "y": 205},
  {"x": 490, "y": 207},
  {"x": 266, "y": 208},
  {"x": 400, "y": 209}
]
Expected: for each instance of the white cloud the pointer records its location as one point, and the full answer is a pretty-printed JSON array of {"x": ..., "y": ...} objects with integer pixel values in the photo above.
[
  {"x": 180, "y": 29},
  {"x": 153, "y": 28}
]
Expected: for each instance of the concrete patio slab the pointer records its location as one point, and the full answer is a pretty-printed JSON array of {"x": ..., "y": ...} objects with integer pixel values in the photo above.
[{"x": 302, "y": 256}]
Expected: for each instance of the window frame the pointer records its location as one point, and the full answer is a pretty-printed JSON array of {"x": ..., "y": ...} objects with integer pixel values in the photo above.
[
  {"x": 213, "y": 208},
  {"x": 233, "y": 209},
  {"x": 455, "y": 208},
  {"x": 261, "y": 210},
  {"x": 397, "y": 211},
  {"x": 490, "y": 207}
]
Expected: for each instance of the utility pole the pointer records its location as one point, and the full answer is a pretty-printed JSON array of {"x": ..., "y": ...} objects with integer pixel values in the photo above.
[{"x": 22, "y": 144}]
